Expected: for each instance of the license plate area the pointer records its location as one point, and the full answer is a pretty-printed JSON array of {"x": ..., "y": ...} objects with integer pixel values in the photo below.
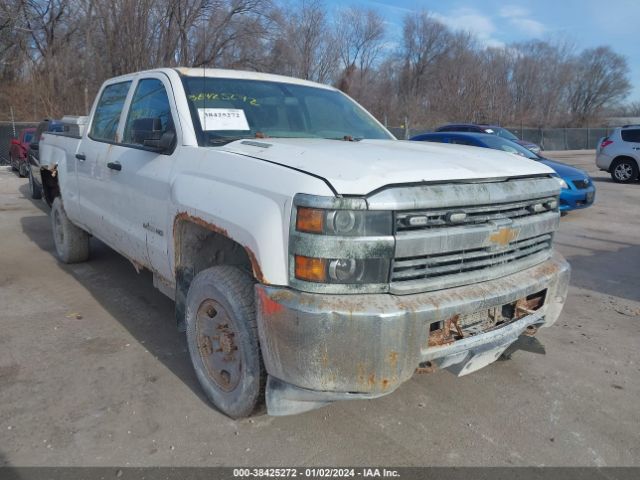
[{"x": 461, "y": 326}]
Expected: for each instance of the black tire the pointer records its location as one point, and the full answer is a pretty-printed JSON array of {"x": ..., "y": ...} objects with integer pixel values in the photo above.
[
  {"x": 222, "y": 337},
  {"x": 624, "y": 170},
  {"x": 72, "y": 243},
  {"x": 34, "y": 190}
]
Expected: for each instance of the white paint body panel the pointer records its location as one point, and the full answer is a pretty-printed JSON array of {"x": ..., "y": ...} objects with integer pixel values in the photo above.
[
  {"x": 243, "y": 189},
  {"x": 358, "y": 168}
]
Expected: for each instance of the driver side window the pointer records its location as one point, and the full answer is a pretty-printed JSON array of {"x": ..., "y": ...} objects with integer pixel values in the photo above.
[{"x": 150, "y": 113}]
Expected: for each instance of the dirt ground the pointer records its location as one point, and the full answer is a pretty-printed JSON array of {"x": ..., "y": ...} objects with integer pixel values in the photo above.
[{"x": 93, "y": 371}]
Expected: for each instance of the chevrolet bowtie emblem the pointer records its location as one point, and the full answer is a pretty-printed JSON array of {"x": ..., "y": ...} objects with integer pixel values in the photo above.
[{"x": 504, "y": 236}]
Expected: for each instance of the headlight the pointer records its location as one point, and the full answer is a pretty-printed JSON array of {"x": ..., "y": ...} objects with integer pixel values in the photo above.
[
  {"x": 561, "y": 181},
  {"x": 336, "y": 245},
  {"x": 341, "y": 270},
  {"x": 343, "y": 222}
]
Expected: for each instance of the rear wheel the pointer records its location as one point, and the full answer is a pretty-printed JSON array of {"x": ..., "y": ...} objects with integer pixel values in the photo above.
[
  {"x": 72, "y": 243},
  {"x": 624, "y": 170},
  {"x": 223, "y": 339},
  {"x": 22, "y": 170},
  {"x": 34, "y": 189}
]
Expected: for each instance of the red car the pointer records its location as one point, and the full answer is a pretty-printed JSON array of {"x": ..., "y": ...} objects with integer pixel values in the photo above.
[{"x": 18, "y": 151}]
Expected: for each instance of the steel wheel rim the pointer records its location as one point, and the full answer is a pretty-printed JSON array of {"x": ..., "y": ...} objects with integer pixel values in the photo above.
[
  {"x": 215, "y": 341},
  {"x": 623, "y": 171}
]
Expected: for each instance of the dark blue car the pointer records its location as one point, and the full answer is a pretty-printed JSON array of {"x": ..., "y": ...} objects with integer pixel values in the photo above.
[{"x": 578, "y": 190}]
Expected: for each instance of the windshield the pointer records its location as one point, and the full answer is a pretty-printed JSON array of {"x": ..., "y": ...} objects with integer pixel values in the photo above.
[
  {"x": 225, "y": 109},
  {"x": 27, "y": 137},
  {"x": 504, "y": 133},
  {"x": 498, "y": 143}
]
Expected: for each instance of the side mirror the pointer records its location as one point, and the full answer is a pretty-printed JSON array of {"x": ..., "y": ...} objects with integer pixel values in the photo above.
[
  {"x": 146, "y": 129},
  {"x": 163, "y": 144},
  {"x": 148, "y": 132}
]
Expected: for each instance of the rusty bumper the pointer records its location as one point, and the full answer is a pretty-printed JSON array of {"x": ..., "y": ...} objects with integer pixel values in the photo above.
[{"x": 321, "y": 348}]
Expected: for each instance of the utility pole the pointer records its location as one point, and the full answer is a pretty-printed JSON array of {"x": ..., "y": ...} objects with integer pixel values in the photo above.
[{"x": 13, "y": 122}]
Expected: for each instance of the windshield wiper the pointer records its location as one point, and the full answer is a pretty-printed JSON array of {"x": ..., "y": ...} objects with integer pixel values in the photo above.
[
  {"x": 225, "y": 140},
  {"x": 346, "y": 138}
]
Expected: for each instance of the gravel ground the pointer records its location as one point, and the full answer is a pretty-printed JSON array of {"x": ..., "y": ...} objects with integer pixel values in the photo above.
[{"x": 93, "y": 372}]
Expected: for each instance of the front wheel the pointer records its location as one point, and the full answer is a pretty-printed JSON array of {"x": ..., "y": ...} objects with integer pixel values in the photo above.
[
  {"x": 624, "y": 170},
  {"x": 72, "y": 243},
  {"x": 222, "y": 337}
]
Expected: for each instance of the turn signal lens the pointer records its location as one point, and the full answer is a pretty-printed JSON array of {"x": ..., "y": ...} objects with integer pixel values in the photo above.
[
  {"x": 311, "y": 269},
  {"x": 310, "y": 220}
]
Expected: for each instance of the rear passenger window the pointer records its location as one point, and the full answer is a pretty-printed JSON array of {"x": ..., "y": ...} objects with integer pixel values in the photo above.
[
  {"x": 150, "y": 113},
  {"x": 107, "y": 116},
  {"x": 631, "y": 135}
]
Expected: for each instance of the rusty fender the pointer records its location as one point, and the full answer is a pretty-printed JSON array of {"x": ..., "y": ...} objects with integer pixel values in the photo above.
[
  {"x": 320, "y": 348},
  {"x": 186, "y": 217}
]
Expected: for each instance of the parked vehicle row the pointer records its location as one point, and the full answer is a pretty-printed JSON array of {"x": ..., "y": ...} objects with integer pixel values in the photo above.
[
  {"x": 578, "y": 190},
  {"x": 311, "y": 255}
]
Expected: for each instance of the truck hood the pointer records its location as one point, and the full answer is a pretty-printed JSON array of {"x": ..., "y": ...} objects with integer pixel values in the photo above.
[{"x": 357, "y": 168}]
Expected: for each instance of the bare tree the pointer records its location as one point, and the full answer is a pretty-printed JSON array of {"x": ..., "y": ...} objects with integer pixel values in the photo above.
[
  {"x": 600, "y": 79},
  {"x": 425, "y": 41},
  {"x": 359, "y": 39},
  {"x": 60, "y": 51},
  {"x": 308, "y": 46}
]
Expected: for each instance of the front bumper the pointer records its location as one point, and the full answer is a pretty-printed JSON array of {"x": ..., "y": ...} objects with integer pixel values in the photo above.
[
  {"x": 321, "y": 348},
  {"x": 571, "y": 199}
]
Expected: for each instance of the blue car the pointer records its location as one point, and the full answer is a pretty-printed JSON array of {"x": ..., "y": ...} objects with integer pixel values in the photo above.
[{"x": 578, "y": 190}]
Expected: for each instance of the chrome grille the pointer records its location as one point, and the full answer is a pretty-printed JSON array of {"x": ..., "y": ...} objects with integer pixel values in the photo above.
[
  {"x": 448, "y": 235},
  {"x": 474, "y": 214},
  {"x": 433, "y": 266}
]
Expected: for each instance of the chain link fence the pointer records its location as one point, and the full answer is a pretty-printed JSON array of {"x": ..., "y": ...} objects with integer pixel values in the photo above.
[
  {"x": 9, "y": 130},
  {"x": 547, "y": 138}
]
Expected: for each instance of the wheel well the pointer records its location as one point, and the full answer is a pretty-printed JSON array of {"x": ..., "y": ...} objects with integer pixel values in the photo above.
[
  {"x": 50, "y": 185},
  {"x": 624, "y": 157},
  {"x": 198, "y": 246}
]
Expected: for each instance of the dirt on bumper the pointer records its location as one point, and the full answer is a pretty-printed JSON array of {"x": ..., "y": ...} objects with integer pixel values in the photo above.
[{"x": 370, "y": 344}]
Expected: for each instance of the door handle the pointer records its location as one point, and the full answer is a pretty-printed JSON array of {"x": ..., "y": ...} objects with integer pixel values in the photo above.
[
  {"x": 81, "y": 156},
  {"x": 114, "y": 166}
]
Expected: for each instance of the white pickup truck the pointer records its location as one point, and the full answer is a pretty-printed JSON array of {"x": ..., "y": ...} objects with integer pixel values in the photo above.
[{"x": 311, "y": 255}]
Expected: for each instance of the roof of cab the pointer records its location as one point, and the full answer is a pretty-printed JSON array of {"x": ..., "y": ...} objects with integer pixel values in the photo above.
[
  {"x": 223, "y": 73},
  {"x": 247, "y": 75}
]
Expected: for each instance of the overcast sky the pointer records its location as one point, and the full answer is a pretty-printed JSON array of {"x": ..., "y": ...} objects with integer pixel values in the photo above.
[{"x": 586, "y": 23}]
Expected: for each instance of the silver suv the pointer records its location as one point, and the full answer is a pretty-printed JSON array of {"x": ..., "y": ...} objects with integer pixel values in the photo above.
[{"x": 619, "y": 154}]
